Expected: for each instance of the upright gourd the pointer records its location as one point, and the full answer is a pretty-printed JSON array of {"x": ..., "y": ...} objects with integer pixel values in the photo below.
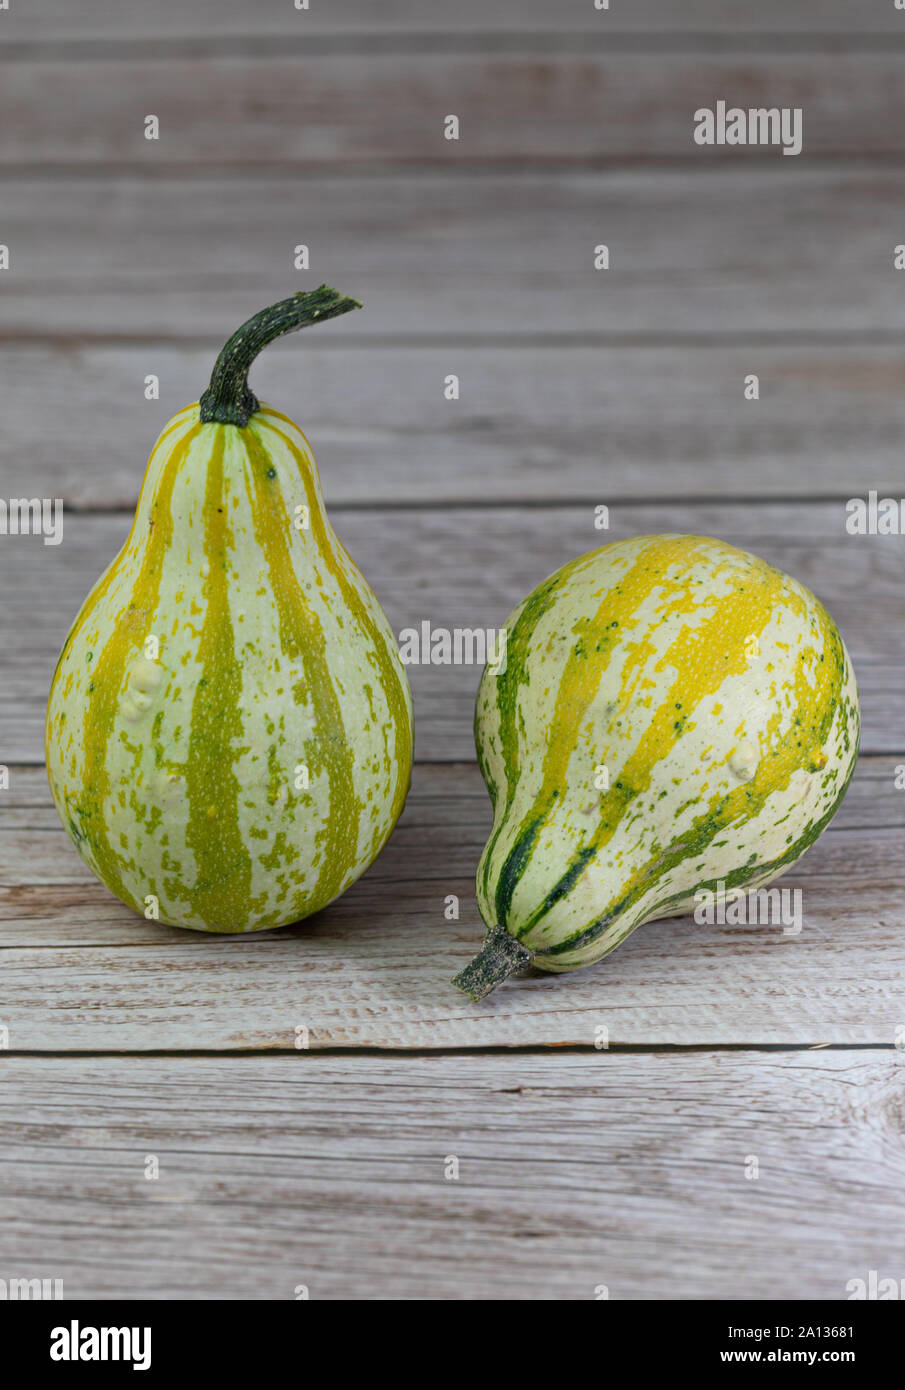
[
  {"x": 229, "y": 728},
  {"x": 673, "y": 715}
]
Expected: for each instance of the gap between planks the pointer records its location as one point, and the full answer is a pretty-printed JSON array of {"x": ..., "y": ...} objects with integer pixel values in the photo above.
[{"x": 640, "y": 1049}]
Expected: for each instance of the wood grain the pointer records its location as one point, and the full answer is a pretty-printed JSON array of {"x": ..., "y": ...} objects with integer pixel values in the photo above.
[
  {"x": 574, "y": 1172},
  {"x": 742, "y": 250},
  {"x": 337, "y": 109},
  {"x": 596, "y": 423},
  {"x": 82, "y": 972},
  {"x": 172, "y": 20},
  {"x": 463, "y": 567}
]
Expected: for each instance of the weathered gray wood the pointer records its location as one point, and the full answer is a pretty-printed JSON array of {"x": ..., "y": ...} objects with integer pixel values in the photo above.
[
  {"x": 741, "y": 250},
  {"x": 344, "y": 108},
  {"x": 463, "y": 567},
  {"x": 574, "y": 1172},
  {"x": 81, "y": 971},
  {"x": 531, "y": 424},
  {"x": 56, "y": 20}
]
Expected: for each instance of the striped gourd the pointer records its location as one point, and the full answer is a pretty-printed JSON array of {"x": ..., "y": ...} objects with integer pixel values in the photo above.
[
  {"x": 229, "y": 729},
  {"x": 673, "y": 715}
]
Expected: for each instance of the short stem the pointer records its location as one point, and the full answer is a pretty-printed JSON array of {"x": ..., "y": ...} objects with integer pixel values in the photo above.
[
  {"x": 499, "y": 957},
  {"x": 228, "y": 399}
]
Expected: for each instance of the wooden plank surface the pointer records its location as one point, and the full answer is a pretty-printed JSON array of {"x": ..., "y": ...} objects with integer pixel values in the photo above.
[
  {"x": 467, "y": 567},
  {"x": 597, "y": 423},
  {"x": 575, "y": 1173},
  {"x": 335, "y": 109},
  {"x": 82, "y": 972},
  {"x": 778, "y": 248},
  {"x": 52, "y": 21}
]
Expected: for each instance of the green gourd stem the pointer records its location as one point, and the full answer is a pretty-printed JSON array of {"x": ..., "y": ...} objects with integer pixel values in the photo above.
[
  {"x": 499, "y": 957},
  {"x": 228, "y": 399}
]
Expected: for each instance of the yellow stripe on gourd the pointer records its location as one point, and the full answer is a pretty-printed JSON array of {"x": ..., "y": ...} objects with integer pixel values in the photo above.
[
  {"x": 220, "y": 891},
  {"x": 124, "y": 644},
  {"x": 302, "y": 637},
  {"x": 336, "y": 558}
]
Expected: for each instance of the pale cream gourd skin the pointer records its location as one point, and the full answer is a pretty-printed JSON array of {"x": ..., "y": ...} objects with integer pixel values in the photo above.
[
  {"x": 718, "y": 697},
  {"x": 229, "y": 728}
]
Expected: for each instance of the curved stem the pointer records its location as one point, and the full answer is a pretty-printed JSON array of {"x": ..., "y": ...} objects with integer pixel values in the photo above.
[
  {"x": 499, "y": 957},
  {"x": 228, "y": 399}
]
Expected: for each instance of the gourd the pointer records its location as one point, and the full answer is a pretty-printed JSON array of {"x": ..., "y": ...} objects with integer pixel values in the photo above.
[
  {"x": 229, "y": 728},
  {"x": 673, "y": 715}
]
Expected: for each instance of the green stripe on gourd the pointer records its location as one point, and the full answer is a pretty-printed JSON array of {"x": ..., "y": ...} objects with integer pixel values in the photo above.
[
  {"x": 249, "y": 770},
  {"x": 717, "y": 694}
]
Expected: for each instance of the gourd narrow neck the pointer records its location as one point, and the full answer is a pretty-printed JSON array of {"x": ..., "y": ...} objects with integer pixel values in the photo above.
[
  {"x": 229, "y": 399},
  {"x": 499, "y": 957}
]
